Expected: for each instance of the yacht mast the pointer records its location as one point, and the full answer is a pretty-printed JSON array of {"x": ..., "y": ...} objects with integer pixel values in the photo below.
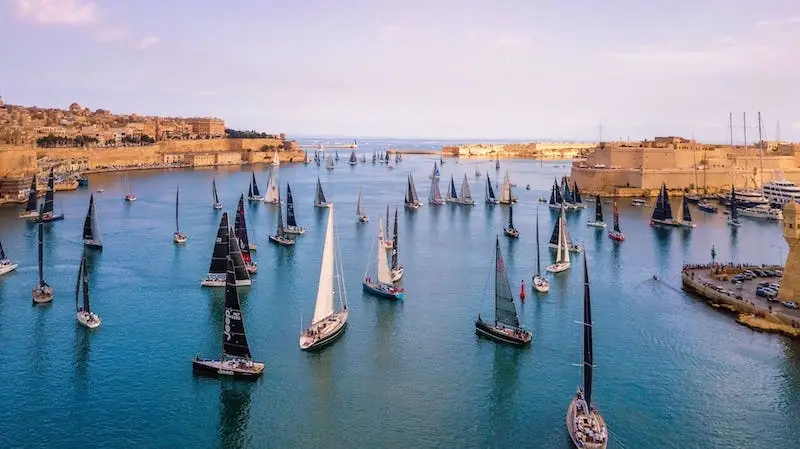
[
  {"x": 744, "y": 131},
  {"x": 733, "y": 153},
  {"x": 761, "y": 152}
]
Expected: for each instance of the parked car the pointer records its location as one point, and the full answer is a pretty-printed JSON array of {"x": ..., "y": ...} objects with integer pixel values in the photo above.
[{"x": 790, "y": 304}]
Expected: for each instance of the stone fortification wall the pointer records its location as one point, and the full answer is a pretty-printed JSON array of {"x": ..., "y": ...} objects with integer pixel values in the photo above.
[{"x": 17, "y": 162}]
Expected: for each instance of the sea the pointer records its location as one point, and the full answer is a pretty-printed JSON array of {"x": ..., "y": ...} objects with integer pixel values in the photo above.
[{"x": 669, "y": 371}]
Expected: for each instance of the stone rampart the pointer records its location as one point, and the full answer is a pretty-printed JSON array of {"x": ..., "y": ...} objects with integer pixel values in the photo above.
[{"x": 17, "y": 162}]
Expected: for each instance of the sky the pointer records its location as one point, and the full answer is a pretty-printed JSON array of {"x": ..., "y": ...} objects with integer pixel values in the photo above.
[{"x": 530, "y": 69}]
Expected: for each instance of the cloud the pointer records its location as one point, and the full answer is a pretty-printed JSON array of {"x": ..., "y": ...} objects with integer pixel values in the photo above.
[
  {"x": 148, "y": 41},
  {"x": 110, "y": 34},
  {"x": 55, "y": 12},
  {"x": 773, "y": 23}
]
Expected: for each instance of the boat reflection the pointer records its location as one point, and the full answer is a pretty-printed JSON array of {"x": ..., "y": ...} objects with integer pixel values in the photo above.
[{"x": 234, "y": 414}]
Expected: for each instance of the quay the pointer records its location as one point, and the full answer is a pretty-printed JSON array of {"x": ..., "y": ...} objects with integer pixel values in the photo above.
[
  {"x": 402, "y": 151},
  {"x": 712, "y": 282}
]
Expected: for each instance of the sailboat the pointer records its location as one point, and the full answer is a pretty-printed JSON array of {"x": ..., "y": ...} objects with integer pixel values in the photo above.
[
  {"x": 275, "y": 160},
  {"x": 179, "y": 236},
  {"x": 327, "y": 324},
  {"x": 561, "y": 228},
  {"x": 225, "y": 247},
  {"x": 388, "y": 243},
  {"x": 507, "y": 196},
  {"x": 511, "y": 231},
  {"x": 362, "y": 217},
  {"x": 465, "y": 198},
  {"x": 47, "y": 214},
  {"x": 319, "y": 198},
  {"x": 490, "y": 198},
  {"x": 353, "y": 158},
  {"x": 271, "y": 195},
  {"x": 477, "y": 172},
  {"x": 598, "y": 215},
  {"x": 733, "y": 220},
  {"x": 236, "y": 360},
  {"x": 306, "y": 160},
  {"x": 562, "y": 262},
  {"x": 576, "y": 195},
  {"x": 42, "y": 293},
  {"x": 412, "y": 199},
  {"x": 555, "y": 196},
  {"x": 505, "y": 327},
  {"x": 291, "y": 222},
  {"x": 434, "y": 195},
  {"x": 240, "y": 233},
  {"x": 6, "y": 265},
  {"x": 91, "y": 231},
  {"x": 253, "y": 194},
  {"x": 662, "y": 213},
  {"x": 452, "y": 196},
  {"x": 540, "y": 283},
  {"x": 281, "y": 237},
  {"x": 497, "y": 162},
  {"x": 129, "y": 196},
  {"x": 686, "y": 215},
  {"x": 31, "y": 207},
  {"x": 383, "y": 285},
  {"x": 336, "y": 152},
  {"x": 616, "y": 232},
  {"x": 397, "y": 270},
  {"x": 585, "y": 424},
  {"x": 83, "y": 312},
  {"x": 374, "y": 157},
  {"x": 568, "y": 198},
  {"x": 217, "y": 204},
  {"x": 435, "y": 174},
  {"x": 441, "y": 160}
]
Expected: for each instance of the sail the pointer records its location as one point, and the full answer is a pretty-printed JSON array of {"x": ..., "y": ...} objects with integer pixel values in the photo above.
[
  {"x": 412, "y": 189},
  {"x": 324, "y": 305},
  {"x": 588, "y": 359},
  {"x": 48, "y": 198},
  {"x": 663, "y": 210},
  {"x": 91, "y": 230},
  {"x": 177, "y": 196},
  {"x": 214, "y": 191},
  {"x": 220, "y": 247},
  {"x": 85, "y": 281},
  {"x": 538, "y": 259},
  {"x": 435, "y": 194},
  {"x": 359, "y": 206},
  {"x": 435, "y": 170},
  {"x": 234, "y": 338},
  {"x": 598, "y": 210},
  {"x": 329, "y": 162},
  {"x": 451, "y": 193},
  {"x": 555, "y": 236},
  {"x": 734, "y": 207},
  {"x": 255, "y": 186},
  {"x": 41, "y": 246},
  {"x": 384, "y": 276},
  {"x": 290, "y": 220},
  {"x": 616, "y": 218},
  {"x": 504, "y": 309},
  {"x": 465, "y": 193},
  {"x": 686, "y": 215},
  {"x": 567, "y": 193},
  {"x": 271, "y": 195},
  {"x": 511, "y": 216},
  {"x": 32, "y": 197},
  {"x": 250, "y": 191},
  {"x": 78, "y": 282},
  {"x": 564, "y": 236},
  {"x": 559, "y": 198},
  {"x": 577, "y": 194},
  {"x": 235, "y": 253},
  {"x": 506, "y": 195},
  {"x": 489, "y": 189},
  {"x": 320, "y": 194},
  {"x": 552, "y": 195},
  {"x": 394, "y": 243},
  {"x": 387, "y": 221},
  {"x": 240, "y": 231},
  {"x": 275, "y": 159},
  {"x": 279, "y": 229},
  {"x": 407, "y": 199},
  {"x": 353, "y": 158},
  {"x": 2, "y": 252}
]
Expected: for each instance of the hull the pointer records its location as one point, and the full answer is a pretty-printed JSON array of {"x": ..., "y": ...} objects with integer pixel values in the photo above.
[
  {"x": 130, "y": 198},
  {"x": 88, "y": 320},
  {"x": 322, "y": 205},
  {"x": 555, "y": 206},
  {"x": 517, "y": 337},
  {"x": 296, "y": 230},
  {"x": 363, "y": 219},
  {"x": 540, "y": 284},
  {"x": 229, "y": 369},
  {"x": 42, "y": 295},
  {"x": 707, "y": 208},
  {"x": 558, "y": 267},
  {"x": 397, "y": 273},
  {"x": 376, "y": 290},
  {"x": 29, "y": 215},
  {"x": 618, "y": 236},
  {"x": 251, "y": 268},
  {"x": 47, "y": 218},
  {"x": 461, "y": 202},
  {"x": 437, "y": 202},
  {"x": 325, "y": 332},
  {"x": 492, "y": 201},
  {"x": 179, "y": 237},
  {"x": 217, "y": 205},
  {"x": 255, "y": 198},
  {"x": 7, "y": 267},
  {"x": 576, "y": 418},
  {"x": 388, "y": 244},
  {"x": 274, "y": 202},
  {"x": 413, "y": 206},
  {"x": 734, "y": 223},
  {"x": 596, "y": 224},
  {"x": 511, "y": 232},
  {"x": 280, "y": 240},
  {"x": 667, "y": 223},
  {"x": 219, "y": 281},
  {"x": 573, "y": 248},
  {"x": 687, "y": 224},
  {"x": 89, "y": 243}
]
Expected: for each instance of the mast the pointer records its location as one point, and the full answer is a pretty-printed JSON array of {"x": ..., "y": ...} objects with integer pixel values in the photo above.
[
  {"x": 85, "y": 278},
  {"x": 279, "y": 231},
  {"x": 616, "y": 218},
  {"x": 598, "y": 210},
  {"x": 80, "y": 278},
  {"x": 214, "y": 190},
  {"x": 290, "y": 219},
  {"x": 538, "y": 259},
  {"x": 220, "y": 251},
  {"x": 240, "y": 231},
  {"x": 734, "y": 211},
  {"x": 2, "y": 252},
  {"x": 387, "y": 221},
  {"x": 588, "y": 359},
  {"x": 409, "y": 195},
  {"x": 383, "y": 274},
  {"x": 177, "y": 194},
  {"x": 234, "y": 338},
  {"x": 359, "y": 207},
  {"x": 394, "y": 242},
  {"x": 761, "y": 151},
  {"x": 324, "y": 304},
  {"x": 730, "y": 127},
  {"x": 504, "y": 310},
  {"x": 41, "y": 247},
  {"x": 48, "y": 198},
  {"x": 744, "y": 130}
]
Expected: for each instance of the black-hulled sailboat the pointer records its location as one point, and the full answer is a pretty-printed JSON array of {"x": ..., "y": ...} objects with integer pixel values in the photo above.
[
  {"x": 576, "y": 195},
  {"x": 505, "y": 327},
  {"x": 490, "y": 196},
  {"x": 585, "y": 425},
  {"x": 291, "y": 221},
  {"x": 83, "y": 312},
  {"x": 540, "y": 283},
  {"x": 47, "y": 213},
  {"x": 353, "y": 158},
  {"x": 686, "y": 215},
  {"x": 236, "y": 360},
  {"x": 224, "y": 247},
  {"x": 319, "y": 197},
  {"x": 598, "y": 214},
  {"x": 362, "y": 217},
  {"x": 327, "y": 324},
  {"x": 281, "y": 237},
  {"x": 397, "y": 269},
  {"x": 91, "y": 230},
  {"x": 616, "y": 232},
  {"x": 179, "y": 236},
  {"x": 412, "y": 200},
  {"x": 31, "y": 207},
  {"x": 555, "y": 196},
  {"x": 733, "y": 220},
  {"x": 42, "y": 293},
  {"x": 217, "y": 203},
  {"x": 510, "y": 230},
  {"x": 662, "y": 213},
  {"x": 6, "y": 265},
  {"x": 382, "y": 286},
  {"x": 240, "y": 232},
  {"x": 253, "y": 195}
]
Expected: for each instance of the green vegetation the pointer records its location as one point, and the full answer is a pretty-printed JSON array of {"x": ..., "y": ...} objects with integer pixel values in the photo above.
[{"x": 250, "y": 134}]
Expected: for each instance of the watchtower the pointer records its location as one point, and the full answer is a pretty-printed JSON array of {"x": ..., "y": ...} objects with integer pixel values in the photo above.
[{"x": 790, "y": 285}]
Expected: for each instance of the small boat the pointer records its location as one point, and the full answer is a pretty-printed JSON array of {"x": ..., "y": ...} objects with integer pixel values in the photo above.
[
  {"x": 83, "y": 313},
  {"x": 662, "y": 213},
  {"x": 505, "y": 327},
  {"x": 91, "y": 231},
  {"x": 281, "y": 237},
  {"x": 692, "y": 198},
  {"x": 388, "y": 243},
  {"x": 555, "y": 196},
  {"x": 686, "y": 215},
  {"x": 362, "y": 217},
  {"x": 733, "y": 220},
  {"x": 253, "y": 195},
  {"x": 507, "y": 196},
  {"x": 226, "y": 247},
  {"x": 42, "y": 293},
  {"x": 31, "y": 207},
  {"x": 129, "y": 196},
  {"x": 762, "y": 211},
  {"x": 319, "y": 198},
  {"x": 397, "y": 269},
  {"x": 562, "y": 262},
  {"x": 6, "y": 265},
  {"x": 336, "y": 152},
  {"x": 540, "y": 283},
  {"x": 616, "y": 232},
  {"x": 510, "y": 230},
  {"x": 327, "y": 324},
  {"x": 434, "y": 195},
  {"x": 598, "y": 215},
  {"x": 465, "y": 198},
  {"x": 560, "y": 228},
  {"x": 100, "y": 190},
  {"x": 271, "y": 195},
  {"x": 585, "y": 425},
  {"x": 240, "y": 233},
  {"x": 83, "y": 181},
  {"x": 47, "y": 213},
  {"x": 374, "y": 157},
  {"x": 412, "y": 200},
  {"x": 639, "y": 202},
  {"x": 291, "y": 221},
  {"x": 275, "y": 160},
  {"x": 705, "y": 206},
  {"x": 236, "y": 360},
  {"x": 441, "y": 161},
  {"x": 528, "y": 187},
  {"x": 179, "y": 236},
  {"x": 497, "y": 163},
  {"x": 490, "y": 198},
  {"x": 477, "y": 172},
  {"x": 353, "y": 158},
  {"x": 306, "y": 160},
  {"x": 363, "y": 159},
  {"x": 215, "y": 197},
  {"x": 382, "y": 286},
  {"x": 435, "y": 174}
]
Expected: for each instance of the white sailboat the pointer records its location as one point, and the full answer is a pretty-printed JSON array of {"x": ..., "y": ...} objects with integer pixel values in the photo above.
[
  {"x": 540, "y": 283},
  {"x": 179, "y": 236},
  {"x": 275, "y": 161},
  {"x": 128, "y": 195},
  {"x": 507, "y": 196},
  {"x": 382, "y": 286},
  {"x": 362, "y": 217},
  {"x": 6, "y": 265},
  {"x": 384, "y": 237},
  {"x": 327, "y": 324},
  {"x": 271, "y": 196},
  {"x": 562, "y": 262},
  {"x": 217, "y": 204},
  {"x": 84, "y": 313}
]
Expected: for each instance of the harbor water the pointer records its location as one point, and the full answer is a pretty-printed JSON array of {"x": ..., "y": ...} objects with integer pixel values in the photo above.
[{"x": 670, "y": 371}]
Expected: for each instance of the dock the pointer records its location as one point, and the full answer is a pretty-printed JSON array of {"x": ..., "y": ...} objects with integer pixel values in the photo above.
[{"x": 712, "y": 282}]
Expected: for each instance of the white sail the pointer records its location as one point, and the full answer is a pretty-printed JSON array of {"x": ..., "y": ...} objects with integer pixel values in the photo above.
[
  {"x": 506, "y": 197},
  {"x": 275, "y": 160},
  {"x": 564, "y": 236},
  {"x": 324, "y": 306},
  {"x": 272, "y": 191},
  {"x": 465, "y": 192},
  {"x": 560, "y": 240},
  {"x": 384, "y": 275},
  {"x": 329, "y": 162},
  {"x": 380, "y": 230}
]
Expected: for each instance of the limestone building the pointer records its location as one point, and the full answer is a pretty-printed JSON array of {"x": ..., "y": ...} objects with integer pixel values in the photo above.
[{"x": 790, "y": 285}]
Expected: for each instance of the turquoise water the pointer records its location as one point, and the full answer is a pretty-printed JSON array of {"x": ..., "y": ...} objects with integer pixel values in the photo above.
[{"x": 670, "y": 371}]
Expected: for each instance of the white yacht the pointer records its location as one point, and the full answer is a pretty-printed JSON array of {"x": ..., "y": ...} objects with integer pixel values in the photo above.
[
  {"x": 762, "y": 211},
  {"x": 780, "y": 192}
]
